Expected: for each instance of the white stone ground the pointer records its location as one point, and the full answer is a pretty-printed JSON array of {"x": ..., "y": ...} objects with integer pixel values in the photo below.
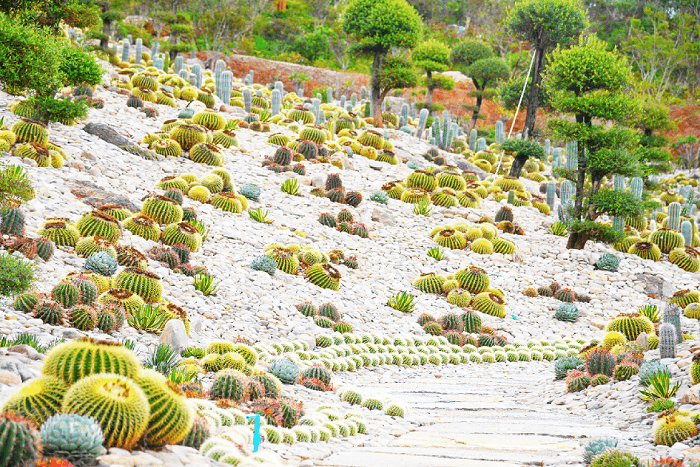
[{"x": 260, "y": 307}]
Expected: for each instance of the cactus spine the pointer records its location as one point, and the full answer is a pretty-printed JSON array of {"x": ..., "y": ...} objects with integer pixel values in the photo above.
[{"x": 667, "y": 341}]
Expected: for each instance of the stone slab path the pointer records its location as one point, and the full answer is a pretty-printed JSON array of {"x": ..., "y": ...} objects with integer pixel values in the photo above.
[{"x": 475, "y": 420}]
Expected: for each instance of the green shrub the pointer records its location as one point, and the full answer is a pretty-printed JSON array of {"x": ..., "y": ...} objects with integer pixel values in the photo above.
[
  {"x": 79, "y": 67},
  {"x": 63, "y": 110},
  {"x": 16, "y": 275},
  {"x": 30, "y": 58},
  {"x": 15, "y": 186}
]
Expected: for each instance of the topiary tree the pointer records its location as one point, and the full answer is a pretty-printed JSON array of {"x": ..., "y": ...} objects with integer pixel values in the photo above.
[
  {"x": 397, "y": 73},
  {"x": 592, "y": 83},
  {"x": 379, "y": 25},
  {"x": 545, "y": 24},
  {"x": 653, "y": 153},
  {"x": 433, "y": 57},
  {"x": 522, "y": 150},
  {"x": 475, "y": 59}
]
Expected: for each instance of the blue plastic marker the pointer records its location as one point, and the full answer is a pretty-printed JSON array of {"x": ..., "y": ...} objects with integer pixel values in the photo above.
[
  {"x": 257, "y": 439},
  {"x": 514, "y": 317}
]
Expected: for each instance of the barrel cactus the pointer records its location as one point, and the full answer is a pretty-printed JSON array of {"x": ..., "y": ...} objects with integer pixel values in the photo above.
[{"x": 75, "y": 438}]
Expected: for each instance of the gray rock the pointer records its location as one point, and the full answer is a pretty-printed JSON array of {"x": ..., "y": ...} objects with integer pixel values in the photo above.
[
  {"x": 30, "y": 352},
  {"x": 96, "y": 196},
  {"x": 106, "y": 133},
  {"x": 383, "y": 216},
  {"x": 174, "y": 335},
  {"x": 468, "y": 166},
  {"x": 318, "y": 180},
  {"x": 8, "y": 377},
  {"x": 654, "y": 285},
  {"x": 15, "y": 366}
]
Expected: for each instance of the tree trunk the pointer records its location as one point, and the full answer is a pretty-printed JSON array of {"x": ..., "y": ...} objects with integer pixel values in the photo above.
[
  {"x": 429, "y": 98},
  {"x": 517, "y": 166},
  {"x": 106, "y": 29},
  {"x": 477, "y": 107},
  {"x": 533, "y": 99},
  {"x": 376, "y": 92}
]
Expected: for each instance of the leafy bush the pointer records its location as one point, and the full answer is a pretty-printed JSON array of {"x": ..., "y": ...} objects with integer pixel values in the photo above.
[
  {"x": 15, "y": 186},
  {"x": 78, "y": 67},
  {"x": 30, "y": 58},
  {"x": 16, "y": 275},
  {"x": 64, "y": 110}
]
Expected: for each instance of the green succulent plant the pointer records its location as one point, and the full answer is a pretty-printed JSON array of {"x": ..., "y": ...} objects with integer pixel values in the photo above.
[
  {"x": 402, "y": 301},
  {"x": 75, "y": 438}
]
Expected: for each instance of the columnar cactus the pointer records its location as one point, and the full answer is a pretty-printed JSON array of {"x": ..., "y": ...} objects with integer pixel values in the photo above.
[
  {"x": 667, "y": 341},
  {"x": 674, "y": 216},
  {"x": 139, "y": 51},
  {"x": 155, "y": 48},
  {"x": 198, "y": 75},
  {"x": 637, "y": 187},
  {"x": 672, "y": 315},
  {"x": 572, "y": 155},
  {"x": 179, "y": 64},
  {"x": 501, "y": 137},
  {"x": 687, "y": 232},
  {"x": 551, "y": 194},
  {"x": 473, "y": 135},
  {"x": 125, "y": 50},
  {"x": 276, "y": 100},
  {"x": 329, "y": 95},
  {"x": 224, "y": 86},
  {"x": 422, "y": 120},
  {"x": 247, "y": 100}
]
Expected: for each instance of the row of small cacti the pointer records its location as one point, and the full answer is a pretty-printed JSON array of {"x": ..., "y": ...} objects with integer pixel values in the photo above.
[
  {"x": 357, "y": 396},
  {"x": 555, "y": 290},
  {"x": 335, "y": 192},
  {"x": 30, "y": 140},
  {"x": 602, "y": 366},
  {"x": 344, "y": 222},
  {"x": 326, "y": 316}
]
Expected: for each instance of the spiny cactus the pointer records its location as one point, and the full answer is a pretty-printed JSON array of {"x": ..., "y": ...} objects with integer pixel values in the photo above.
[
  {"x": 20, "y": 442},
  {"x": 115, "y": 402},
  {"x": 38, "y": 399},
  {"x": 673, "y": 428},
  {"x": 667, "y": 340},
  {"x": 600, "y": 361}
]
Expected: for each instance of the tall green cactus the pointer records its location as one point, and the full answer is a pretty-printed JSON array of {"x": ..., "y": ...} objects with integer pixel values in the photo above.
[
  {"x": 637, "y": 187},
  {"x": 687, "y": 232},
  {"x": 674, "y": 216},
  {"x": 551, "y": 194},
  {"x": 276, "y": 102},
  {"x": 125, "y": 50},
  {"x": 183, "y": 74},
  {"x": 481, "y": 144},
  {"x": 473, "y": 135},
  {"x": 155, "y": 49},
  {"x": 566, "y": 193},
  {"x": 139, "y": 51},
  {"x": 422, "y": 120},
  {"x": 247, "y": 100},
  {"x": 403, "y": 119},
  {"x": 500, "y": 136},
  {"x": 158, "y": 63},
  {"x": 179, "y": 64},
  {"x": 198, "y": 75},
  {"x": 672, "y": 315},
  {"x": 547, "y": 147},
  {"x": 572, "y": 155},
  {"x": 353, "y": 99},
  {"x": 329, "y": 95},
  {"x": 556, "y": 158},
  {"x": 667, "y": 341},
  {"x": 619, "y": 182},
  {"x": 342, "y": 101},
  {"x": 224, "y": 86}
]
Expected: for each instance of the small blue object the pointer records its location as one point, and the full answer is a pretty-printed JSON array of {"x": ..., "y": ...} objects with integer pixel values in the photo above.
[
  {"x": 514, "y": 317},
  {"x": 257, "y": 439}
]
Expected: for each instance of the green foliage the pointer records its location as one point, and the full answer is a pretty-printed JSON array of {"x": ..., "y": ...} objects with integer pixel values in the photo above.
[
  {"x": 468, "y": 52},
  {"x": 15, "y": 186},
  {"x": 616, "y": 203},
  {"x": 16, "y": 275},
  {"x": 488, "y": 70},
  {"x": 402, "y": 301},
  {"x": 659, "y": 387},
  {"x": 379, "y": 25},
  {"x": 259, "y": 215},
  {"x": 523, "y": 149},
  {"x": 432, "y": 56},
  {"x": 509, "y": 94},
  {"x": 615, "y": 458},
  {"x": 78, "y": 67},
  {"x": 547, "y": 23},
  {"x": 423, "y": 208},
  {"x": 163, "y": 359},
  {"x": 21, "y": 49},
  {"x": 64, "y": 110},
  {"x": 660, "y": 405},
  {"x": 596, "y": 447},
  {"x": 147, "y": 318},
  {"x": 436, "y": 253},
  {"x": 397, "y": 73},
  {"x": 206, "y": 284}
]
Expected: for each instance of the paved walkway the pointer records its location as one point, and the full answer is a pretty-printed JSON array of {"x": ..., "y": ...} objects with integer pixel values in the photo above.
[{"x": 475, "y": 421}]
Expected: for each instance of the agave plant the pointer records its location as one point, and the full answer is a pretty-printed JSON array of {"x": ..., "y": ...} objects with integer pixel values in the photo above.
[
  {"x": 179, "y": 375},
  {"x": 402, "y": 301},
  {"x": 163, "y": 359},
  {"x": 205, "y": 284},
  {"x": 259, "y": 215},
  {"x": 423, "y": 208},
  {"x": 147, "y": 318},
  {"x": 659, "y": 387},
  {"x": 231, "y": 124},
  {"x": 201, "y": 228},
  {"x": 436, "y": 252},
  {"x": 291, "y": 187}
]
